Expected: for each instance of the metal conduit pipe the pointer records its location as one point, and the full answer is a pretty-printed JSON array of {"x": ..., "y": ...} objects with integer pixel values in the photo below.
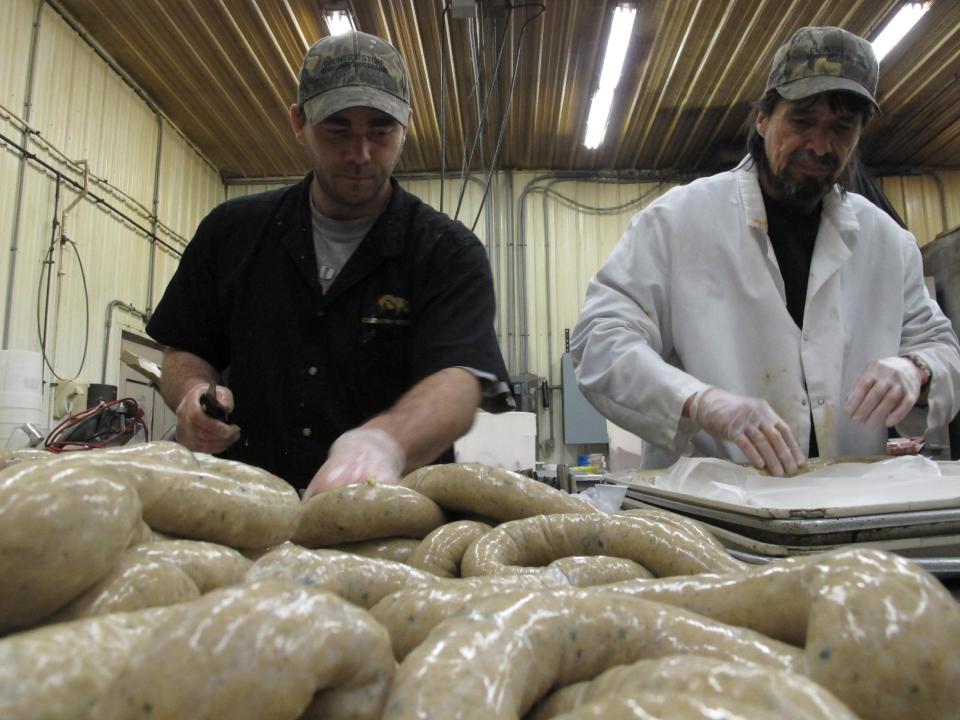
[
  {"x": 21, "y": 172},
  {"x": 96, "y": 199},
  {"x": 151, "y": 269},
  {"x": 75, "y": 165},
  {"x": 60, "y": 235},
  {"x": 943, "y": 199},
  {"x": 520, "y": 298},
  {"x": 547, "y": 191},
  {"x": 511, "y": 299},
  {"x": 509, "y": 229},
  {"x": 616, "y": 177},
  {"x": 491, "y": 232},
  {"x": 119, "y": 305}
]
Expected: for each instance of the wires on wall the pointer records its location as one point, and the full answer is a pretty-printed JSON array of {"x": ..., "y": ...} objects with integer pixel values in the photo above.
[
  {"x": 467, "y": 160},
  {"x": 58, "y": 238},
  {"x": 443, "y": 104},
  {"x": 506, "y": 108}
]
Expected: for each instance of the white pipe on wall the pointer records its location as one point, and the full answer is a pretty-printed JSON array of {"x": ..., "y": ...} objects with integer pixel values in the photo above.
[{"x": 21, "y": 171}]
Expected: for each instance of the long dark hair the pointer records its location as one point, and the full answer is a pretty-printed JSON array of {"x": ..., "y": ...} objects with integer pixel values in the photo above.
[{"x": 839, "y": 102}]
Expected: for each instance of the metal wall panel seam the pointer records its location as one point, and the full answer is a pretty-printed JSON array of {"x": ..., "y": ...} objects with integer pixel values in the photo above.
[{"x": 18, "y": 204}]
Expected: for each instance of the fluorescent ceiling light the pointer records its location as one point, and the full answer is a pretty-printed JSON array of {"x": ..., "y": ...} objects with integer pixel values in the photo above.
[
  {"x": 899, "y": 26},
  {"x": 339, "y": 21},
  {"x": 620, "y": 31}
]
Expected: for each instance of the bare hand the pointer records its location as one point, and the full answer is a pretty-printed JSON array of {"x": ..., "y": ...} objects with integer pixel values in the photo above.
[
  {"x": 752, "y": 424},
  {"x": 356, "y": 456},
  {"x": 199, "y": 432}
]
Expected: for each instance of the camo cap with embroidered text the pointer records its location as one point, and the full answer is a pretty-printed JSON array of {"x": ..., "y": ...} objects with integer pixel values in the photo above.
[{"x": 353, "y": 69}]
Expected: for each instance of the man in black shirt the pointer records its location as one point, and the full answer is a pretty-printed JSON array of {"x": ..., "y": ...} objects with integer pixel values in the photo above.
[{"x": 346, "y": 325}]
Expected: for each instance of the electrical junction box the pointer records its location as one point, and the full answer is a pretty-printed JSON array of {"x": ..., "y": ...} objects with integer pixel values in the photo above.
[
  {"x": 526, "y": 391},
  {"x": 463, "y": 9},
  {"x": 582, "y": 424}
]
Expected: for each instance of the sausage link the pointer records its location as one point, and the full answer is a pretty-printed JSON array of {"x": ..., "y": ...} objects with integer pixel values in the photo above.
[
  {"x": 440, "y": 552},
  {"x": 410, "y": 614},
  {"x": 12, "y": 457},
  {"x": 878, "y": 631},
  {"x": 159, "y": 573},
  {"x": 198, "y": 496},
  {"x": 497, "y": 659},
  {"x": 491, "y": 492},
  {"x": 209, "y": 565},
  {"x": 134, "y": 583},
  {"x": 365, "y": 511},
  {"x": 679, "y": 548},
  {"x": 62, "y": 529},
  {"x": 644, "y": 705},
  {"x": 358, "y": 580},
  {"x": 80, "y": 661},
  {"x": 395, "y": 549},
  {"x": 794, "y": 696},
  {"x": 598, "y": 570},
  {"x": 271, "y": 649}
]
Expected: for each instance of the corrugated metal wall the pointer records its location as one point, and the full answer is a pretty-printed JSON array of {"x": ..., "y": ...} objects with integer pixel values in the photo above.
[
  {"x": 83, "y": 111},
  {"x": 188, "y": 188},
  {"x": 565, "y": 230},
  {"x": 929, "y": 202}
]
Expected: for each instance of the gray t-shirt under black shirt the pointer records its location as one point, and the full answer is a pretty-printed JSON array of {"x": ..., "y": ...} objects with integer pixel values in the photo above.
[{"x": 334, "y": 241}]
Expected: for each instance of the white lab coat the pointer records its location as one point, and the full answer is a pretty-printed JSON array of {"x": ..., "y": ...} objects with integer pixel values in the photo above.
[{"x": 692, "y": 296}]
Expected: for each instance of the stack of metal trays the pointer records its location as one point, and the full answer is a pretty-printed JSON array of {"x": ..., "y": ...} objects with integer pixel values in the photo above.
[{"x": 928, "y": 533}]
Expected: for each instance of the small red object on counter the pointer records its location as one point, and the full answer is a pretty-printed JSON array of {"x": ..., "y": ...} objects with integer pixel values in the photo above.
[{"x": 904, "y": 446}]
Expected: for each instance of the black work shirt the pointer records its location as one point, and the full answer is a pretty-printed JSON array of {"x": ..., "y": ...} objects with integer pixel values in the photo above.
[
  {"x": 793, "y": 235},
  {"x": 416, "y": 297}
]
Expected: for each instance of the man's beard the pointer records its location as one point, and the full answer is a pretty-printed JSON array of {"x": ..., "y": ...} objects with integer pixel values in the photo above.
[{"x": 795, "y": 187}]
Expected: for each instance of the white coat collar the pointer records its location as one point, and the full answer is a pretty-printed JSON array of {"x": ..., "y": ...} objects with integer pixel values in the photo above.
[
  {"x": 835, "y": 209},
  {"x": 837, "y": 234}
]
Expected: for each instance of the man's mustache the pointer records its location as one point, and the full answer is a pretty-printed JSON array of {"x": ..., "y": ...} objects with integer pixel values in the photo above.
[{"x": 828, "y": 161}]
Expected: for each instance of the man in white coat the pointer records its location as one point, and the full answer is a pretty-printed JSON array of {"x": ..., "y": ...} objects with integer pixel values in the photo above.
[{"x": 765, "y": 314}]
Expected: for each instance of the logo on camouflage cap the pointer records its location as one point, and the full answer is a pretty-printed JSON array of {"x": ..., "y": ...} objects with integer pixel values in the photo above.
[
  {"x": 353, "y": 70},
  {"x": 824, "y": 59}
]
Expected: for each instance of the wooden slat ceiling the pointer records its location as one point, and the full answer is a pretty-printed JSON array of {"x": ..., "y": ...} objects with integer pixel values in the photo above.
[{"x": 225, "y": 71}]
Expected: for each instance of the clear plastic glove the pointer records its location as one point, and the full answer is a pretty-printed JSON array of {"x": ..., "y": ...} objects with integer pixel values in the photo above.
[
  {"x": 358, "y": 455},
  {"x": 884, "y": 393},
  {"x": 752, "y": 424},
  {"x": 197, "y": 430}
]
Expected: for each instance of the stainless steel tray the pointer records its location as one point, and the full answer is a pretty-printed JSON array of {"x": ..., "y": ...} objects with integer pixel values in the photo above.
[
  {"x": 809, "y": 527},
  {"x": 937, "y": 553}
]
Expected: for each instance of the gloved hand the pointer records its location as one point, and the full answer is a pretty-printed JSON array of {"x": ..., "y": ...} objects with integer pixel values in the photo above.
[
  {"x": 200, "y": 432},
  {"x": 358, "y": 455},
  {"x": 752, "y": 424},
  {"x": 885, "y": 392}
]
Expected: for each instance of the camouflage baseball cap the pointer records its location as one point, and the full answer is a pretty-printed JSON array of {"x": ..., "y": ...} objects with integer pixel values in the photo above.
[
  {"x": 353, "y": 70},
  {"x": 824, "y": 59}
]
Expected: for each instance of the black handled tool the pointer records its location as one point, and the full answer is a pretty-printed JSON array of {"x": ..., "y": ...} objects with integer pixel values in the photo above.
[{"x": 211, "y": 406}]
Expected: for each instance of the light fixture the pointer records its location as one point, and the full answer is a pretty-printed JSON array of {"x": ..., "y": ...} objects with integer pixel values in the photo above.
[
  {"x": 621, "y": 29},
  {"x": 900, "y": 25},
  {"x": 339, "y": 21}
]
